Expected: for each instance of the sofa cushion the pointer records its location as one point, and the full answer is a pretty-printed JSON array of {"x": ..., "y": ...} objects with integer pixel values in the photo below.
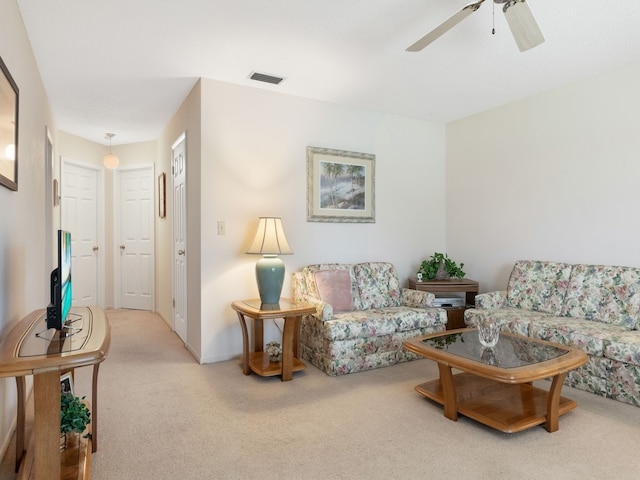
[
  {"x": 514, "y": 320},
  {"x": 384, "y": 321},
  {"x": 378, "y": 285},
  {"x": 605, "y": 294},
  {"x": 624, "y": 347},
  {"x": 579, "y": 333},
  {"x": 310, "y": 281},
  {"x": 334, "y": 288},
  {"x": 539, "y": 286}
]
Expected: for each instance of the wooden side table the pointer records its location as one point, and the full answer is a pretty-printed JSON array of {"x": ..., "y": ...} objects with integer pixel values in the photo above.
[
  {"x": 455, "y": 315},
  {"x": 256, "y": 359}
]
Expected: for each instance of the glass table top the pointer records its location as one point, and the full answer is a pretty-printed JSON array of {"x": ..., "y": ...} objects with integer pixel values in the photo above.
[
  {"x": 509, "y": 352},
  {"x": 42, "y": 341}
]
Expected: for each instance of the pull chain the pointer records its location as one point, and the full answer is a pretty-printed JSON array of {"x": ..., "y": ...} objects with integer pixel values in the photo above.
[{"x": 493, "y": 18}]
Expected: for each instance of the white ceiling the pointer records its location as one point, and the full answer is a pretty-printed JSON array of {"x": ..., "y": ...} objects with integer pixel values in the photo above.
[{"x": 125, "y": 66}]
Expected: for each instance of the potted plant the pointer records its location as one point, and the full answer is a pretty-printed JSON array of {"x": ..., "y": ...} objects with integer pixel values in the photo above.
[
  {"x": 440, "y": 267},
  {"x": 74, "y": 415}
]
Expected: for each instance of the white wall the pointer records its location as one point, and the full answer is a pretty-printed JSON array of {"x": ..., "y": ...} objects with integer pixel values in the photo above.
[
  {"x": 254, "y": 164},
  {"x": 24, "y": 276},
  {"x": 553, "y": 177},
  {"x": 186, "y": 120}
]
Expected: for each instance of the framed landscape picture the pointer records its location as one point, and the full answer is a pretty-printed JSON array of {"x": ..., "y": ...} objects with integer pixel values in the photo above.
[
  {"x": 8, "y": 129},
  {"x": 340, "y": 186}
]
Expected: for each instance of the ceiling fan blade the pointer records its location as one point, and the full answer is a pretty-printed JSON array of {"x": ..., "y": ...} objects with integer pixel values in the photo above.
[
  {"x": 524, "y": 27},
  {"x": 445, "y": 27}
]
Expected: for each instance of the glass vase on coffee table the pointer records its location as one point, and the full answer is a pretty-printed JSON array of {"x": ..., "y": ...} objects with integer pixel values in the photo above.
[{"x": 488, "y": 332}]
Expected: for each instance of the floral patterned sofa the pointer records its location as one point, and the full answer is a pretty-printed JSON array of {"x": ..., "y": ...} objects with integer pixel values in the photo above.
[
  {"x": 362, "y": 316},
  {"x": 592, "y": 307}
]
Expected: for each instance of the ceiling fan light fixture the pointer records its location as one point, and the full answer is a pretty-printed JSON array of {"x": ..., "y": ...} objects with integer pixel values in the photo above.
[{"x": 523, "y": 26}]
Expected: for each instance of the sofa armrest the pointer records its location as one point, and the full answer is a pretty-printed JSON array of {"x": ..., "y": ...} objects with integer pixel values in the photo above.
[
  {"x": 417, "y": 298},
  {"x": 324, "y": 311},
  {"x": 488, "y": 300}
]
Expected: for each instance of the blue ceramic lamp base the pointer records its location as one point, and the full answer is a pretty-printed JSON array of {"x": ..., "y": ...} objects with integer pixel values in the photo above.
[{"x": 270, "y": 276}]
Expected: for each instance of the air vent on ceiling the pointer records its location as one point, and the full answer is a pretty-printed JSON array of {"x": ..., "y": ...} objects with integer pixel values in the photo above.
[{"x": 263, "y": 77}]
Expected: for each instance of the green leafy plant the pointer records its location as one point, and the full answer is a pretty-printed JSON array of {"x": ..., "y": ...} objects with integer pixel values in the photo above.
[
  {"x": 74, "y": 414},
  {"x": 429, "y": 268}
]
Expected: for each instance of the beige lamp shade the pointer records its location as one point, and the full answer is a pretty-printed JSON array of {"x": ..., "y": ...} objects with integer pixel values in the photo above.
[{"x": 269, "y": 238}]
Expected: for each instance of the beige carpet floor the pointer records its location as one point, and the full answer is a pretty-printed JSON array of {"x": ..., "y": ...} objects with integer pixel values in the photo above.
[{"x": 163, "y": 416}]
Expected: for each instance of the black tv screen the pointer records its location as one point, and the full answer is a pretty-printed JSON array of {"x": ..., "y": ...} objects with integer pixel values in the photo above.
[{"x": 58, "y": 309}]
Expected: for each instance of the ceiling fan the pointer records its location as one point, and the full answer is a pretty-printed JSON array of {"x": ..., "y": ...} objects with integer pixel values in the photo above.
[{"x": 523, "y": 26}]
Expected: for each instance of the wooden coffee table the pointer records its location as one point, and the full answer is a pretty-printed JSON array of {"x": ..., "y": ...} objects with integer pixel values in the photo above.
[{"x": 496, "y": 385}]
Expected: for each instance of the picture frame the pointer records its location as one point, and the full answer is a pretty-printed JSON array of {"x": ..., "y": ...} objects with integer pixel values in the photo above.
[
  {"x": 56, "y": 192},
  {"x": 9, "y": 96},
  {"x": 340, "y": 186},
  {"x": 162, "y": 195},
  {"x": 66, "y": 383}
]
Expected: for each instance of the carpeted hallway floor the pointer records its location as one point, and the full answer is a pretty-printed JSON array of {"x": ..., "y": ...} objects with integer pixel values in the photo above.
[{"x": 163, "y": 416}]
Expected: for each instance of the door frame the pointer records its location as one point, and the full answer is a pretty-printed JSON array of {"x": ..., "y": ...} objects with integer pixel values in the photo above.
[
  {"x": 100, "y": 198},
  {"x": 117, "y": 284}
]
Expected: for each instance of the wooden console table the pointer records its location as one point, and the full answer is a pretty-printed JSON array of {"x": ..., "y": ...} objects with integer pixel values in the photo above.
[
  {"x": 257, "y": 360},
  {"x": 455, "y": 315},
  {"x": 31, "y": 349}
]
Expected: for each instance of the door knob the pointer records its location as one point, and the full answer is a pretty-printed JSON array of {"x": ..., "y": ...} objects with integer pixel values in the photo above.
[
  {"x": 95, "y": 248},
  {"x": 122, "y": 247},
  {"x": 180, "y": 252}
]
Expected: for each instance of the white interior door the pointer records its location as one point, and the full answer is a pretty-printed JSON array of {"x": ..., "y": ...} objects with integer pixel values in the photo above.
[
  {"x": 178, "y": 168},
  {"x": 136, "y": 248},
  {"x": 81, "y": 214}
]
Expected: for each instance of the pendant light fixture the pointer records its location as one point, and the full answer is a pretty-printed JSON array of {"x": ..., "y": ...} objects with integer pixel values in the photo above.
[{"x": 110, "y": 160}]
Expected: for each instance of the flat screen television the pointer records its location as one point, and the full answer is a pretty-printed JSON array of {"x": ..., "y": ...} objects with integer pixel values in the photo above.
[{"x": 58, "y": 309}]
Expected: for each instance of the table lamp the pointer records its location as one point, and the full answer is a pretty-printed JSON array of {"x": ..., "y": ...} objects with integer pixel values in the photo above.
[{"x": 270, "y": 242}]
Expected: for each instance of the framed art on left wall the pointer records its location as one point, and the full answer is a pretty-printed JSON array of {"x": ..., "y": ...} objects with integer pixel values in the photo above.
[{"x": 8, "y": 129}]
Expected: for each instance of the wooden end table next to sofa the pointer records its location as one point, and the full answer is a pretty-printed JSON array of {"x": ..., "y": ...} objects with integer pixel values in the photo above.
[
  {"x": 254, "y": 358},
  {"x": 455, "y": 315}
]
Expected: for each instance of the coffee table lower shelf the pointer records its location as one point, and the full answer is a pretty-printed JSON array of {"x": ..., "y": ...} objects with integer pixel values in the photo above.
[{"x": 506, "y": 407}]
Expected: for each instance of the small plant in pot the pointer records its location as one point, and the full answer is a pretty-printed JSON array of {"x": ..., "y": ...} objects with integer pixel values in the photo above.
[
  {"x": 440, "y": 267},
  {"x": 74, "y": 415}
]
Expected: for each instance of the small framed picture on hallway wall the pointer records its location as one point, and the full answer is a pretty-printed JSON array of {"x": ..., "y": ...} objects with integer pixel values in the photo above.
[{"x": 162, "y": 195}]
